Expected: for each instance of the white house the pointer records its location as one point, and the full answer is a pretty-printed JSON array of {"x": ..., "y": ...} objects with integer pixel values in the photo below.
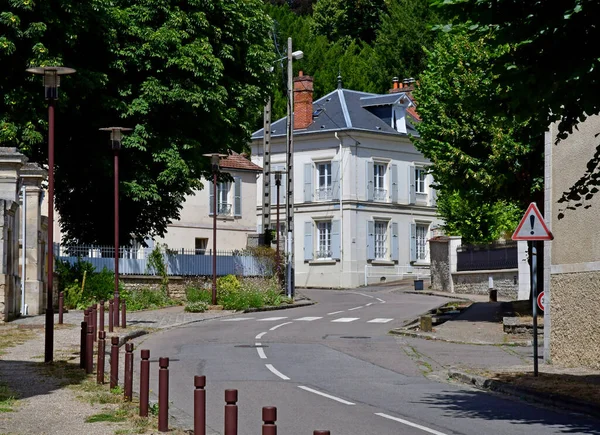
[{"x": 363, "y": 202}]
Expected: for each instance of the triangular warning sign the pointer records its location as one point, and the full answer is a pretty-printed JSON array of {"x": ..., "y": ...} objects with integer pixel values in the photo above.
[{"x": 532, "y": 226}]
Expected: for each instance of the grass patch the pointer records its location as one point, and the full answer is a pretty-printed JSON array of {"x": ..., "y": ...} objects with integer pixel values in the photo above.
[
  {"x": 110, "y": 417},
  {"x": 196, "y": 307},
  {"x": 147, "y": 299},
  {"x": 13, "y": 336},
  {"x": 7, "y": 399}
]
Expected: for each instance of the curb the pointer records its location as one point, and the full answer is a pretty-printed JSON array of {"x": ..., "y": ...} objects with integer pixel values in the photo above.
[
  {"x": 279, "y": 307},
  {"x": 480, "y": 343},
  {"x": 427, "y": 293},
  {"x": 554, "y": 400}
]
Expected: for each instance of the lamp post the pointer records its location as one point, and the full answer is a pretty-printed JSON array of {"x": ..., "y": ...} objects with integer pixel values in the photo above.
[
  {"x": 214, "y": 160},
  {"x": 51, "y": 76},
  {"x": 277, "y": 255},
  {"x": 116, "y": 136},
  {"x": 289, "y": 200}
]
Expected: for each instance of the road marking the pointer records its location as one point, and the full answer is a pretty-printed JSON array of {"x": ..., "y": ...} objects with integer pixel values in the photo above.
[
  {"x": 369, "y": 304},
  {"x": 379, "y": 320},
  {"x": 408, "y": 423},
  {"x": 280, "y": 325},
  {"x": 261, "y": 351},
  {"x": 277, "y": 372},
  {"x": 259, "y": 336},
  {"x": 346, "y": 319},
  {"x": 335, "y": 312},
  {"x": 271, "y": 319},
  {"x": 355, "y": 308},
  {"x": 369, "y": 296},
  {"x": 381, "y": 300},
  {"x": 337, "y": 399},
  {"x": 237, "y": 319},
  {"x": 308, "y": 319}
]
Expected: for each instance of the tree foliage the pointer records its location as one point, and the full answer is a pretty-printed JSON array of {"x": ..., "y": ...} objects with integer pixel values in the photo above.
[{"x": 189, "y": 76}]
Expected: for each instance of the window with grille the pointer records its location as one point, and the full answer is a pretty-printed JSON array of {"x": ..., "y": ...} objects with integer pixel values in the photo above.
[
  {"x": 223, "y": 204},
  {"x": 421, "y": 236},
  {"x": 324, "y": 239},
  {"x": 381, "y": 242},
  {"x": 324, "y": 189},
  {"x": 380, "y": 192}
]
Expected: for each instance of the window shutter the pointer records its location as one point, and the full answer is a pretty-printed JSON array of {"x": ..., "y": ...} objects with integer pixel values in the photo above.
[
  {"x": 211, "y": 198},
  {"x": 412, "y": 185},
  {"x": 370, "y": 240},
  {"x": 308, "y": 240},
  {"x": 237, "y": 197},
  {"x": 394, "y": 184},
  {"x": 433, "y": 194},
  {"x": 370, "y": 186},
  {"x": 259, "y": 229},
  {"x": 413, "y": 242},
  {"x": 335, "y": 180},
  {"x": 336, "y": 242},
  {"x": 395, "y": 244},
  {"x": 308, "y": 182}
]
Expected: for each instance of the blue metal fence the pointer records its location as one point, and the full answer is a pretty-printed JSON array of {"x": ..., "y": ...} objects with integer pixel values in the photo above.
[{"x": 134, "y": 261}]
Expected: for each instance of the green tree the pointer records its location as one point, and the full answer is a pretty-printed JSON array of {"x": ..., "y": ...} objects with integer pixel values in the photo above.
[
  {"x": 189, "y": 76},
  {"x": 353, "y": 19}
]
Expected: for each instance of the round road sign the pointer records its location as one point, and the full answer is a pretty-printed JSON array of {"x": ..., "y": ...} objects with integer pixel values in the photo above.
[{"x": 540, "y": 301}]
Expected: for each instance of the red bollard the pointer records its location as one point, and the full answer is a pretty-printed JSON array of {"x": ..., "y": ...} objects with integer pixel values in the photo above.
[
  {"x": 95, "y": 320},
  {"x": 163, "y": 395},
  {"x": 101, "y": 317},
  {"x": 116, "y": 306},
  {"x": 101, "y": 357},
  {"x": 82, "y": 347},
  {"x": 269, "y": 416},
  {"x": 123, "y": 315},
  {"x": 231, "y": 412},
  {"x": 128, "y": 389},
  {"x": 200, "y": 405},
  {"x": 144, "y": 382},
  {"x": 86, "y": 317},
  {"x": 321, "y": 432},
  {"x": 89, "y": 350},
  {"x": 111, "y": 308},
  {"x": 61, "y": 303},
  {"x": 114, "y": 362}
]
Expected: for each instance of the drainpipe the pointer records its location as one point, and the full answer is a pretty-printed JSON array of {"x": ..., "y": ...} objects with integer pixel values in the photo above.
[
  {"x": 341, "y": 206},
  {"x": 23, "y": 251}
]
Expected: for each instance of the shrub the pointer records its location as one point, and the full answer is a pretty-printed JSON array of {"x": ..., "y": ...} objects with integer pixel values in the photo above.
[
  {"x": 195, "y": 294},
  {"x": 196, "y": 307},
  {"x": 145, "y": 298}
]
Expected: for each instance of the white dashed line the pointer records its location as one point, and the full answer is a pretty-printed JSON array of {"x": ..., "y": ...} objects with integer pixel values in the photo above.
[
  {"x": 369, "y": 304},
  {"x": 280, "y": 325},
  {"x": 355, "y": 308},
  {"x": 362, "y": 294},
  {"x": 259, "y": 336},
  {"x": 261, "y": 351},
  {"x": 276, "y": 372},
  {"x": 381, "y": 300},
  {"x": 271, "y": 319},
  {"x": 337, "y": 399},
  {"x": 346, "y": 319},
  {"x": 335, "y": 312},
  {"x": 408, "y": 423},
  {"x": 237, "y": 319},
  {"x": 378, "y": 320},
  {"x": 308, "y": 319}
]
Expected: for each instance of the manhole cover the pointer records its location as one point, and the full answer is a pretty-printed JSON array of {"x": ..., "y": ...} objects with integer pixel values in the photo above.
[
  {"x": 249, "y": 345},
  {"x": 354, "y": 337}
]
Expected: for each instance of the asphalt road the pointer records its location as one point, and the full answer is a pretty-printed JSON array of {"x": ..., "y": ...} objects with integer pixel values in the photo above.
[{"x": 334, "y": 366}]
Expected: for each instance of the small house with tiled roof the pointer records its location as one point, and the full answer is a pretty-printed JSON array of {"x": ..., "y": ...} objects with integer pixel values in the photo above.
[{"x": 364, "y": 205}]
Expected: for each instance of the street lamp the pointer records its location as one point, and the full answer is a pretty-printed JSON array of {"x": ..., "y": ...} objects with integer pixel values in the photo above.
[
  {"x": 51, "y": 76},
  {"x": 116, "y": 135},
  {"x": 214, "y": 160}
]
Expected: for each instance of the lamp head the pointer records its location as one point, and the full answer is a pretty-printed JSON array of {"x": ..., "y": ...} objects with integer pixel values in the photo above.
[
  {"x": 51, "y": 78},
  {"x": 214, "y": 160},
  {"x": 116, "y": 136},
  {"x": 296, "y": 55}
]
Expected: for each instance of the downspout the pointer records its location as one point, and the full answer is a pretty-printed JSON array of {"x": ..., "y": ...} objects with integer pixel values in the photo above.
[
  {"x": 23, "y": 250},
  {"x": 341, "y": 207}
]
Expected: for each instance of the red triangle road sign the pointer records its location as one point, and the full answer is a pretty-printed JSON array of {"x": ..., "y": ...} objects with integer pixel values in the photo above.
[{"x": 532, "y": 226}]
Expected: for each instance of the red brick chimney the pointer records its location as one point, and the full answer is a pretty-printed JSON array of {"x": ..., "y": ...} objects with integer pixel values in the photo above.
[{"x": 303, "y": 99}]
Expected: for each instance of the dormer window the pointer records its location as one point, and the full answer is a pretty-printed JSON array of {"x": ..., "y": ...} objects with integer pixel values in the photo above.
[{"x": 399, "y": 118}]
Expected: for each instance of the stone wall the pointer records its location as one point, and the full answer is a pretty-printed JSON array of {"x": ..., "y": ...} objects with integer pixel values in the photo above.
[
  {"x": 175, "y": 289},
  {"x": 477, "y": 282},
  {"x": 575, "y": 309}
]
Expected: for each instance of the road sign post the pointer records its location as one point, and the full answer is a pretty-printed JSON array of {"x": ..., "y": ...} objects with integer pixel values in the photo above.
[{"x": 532, "y": 228}]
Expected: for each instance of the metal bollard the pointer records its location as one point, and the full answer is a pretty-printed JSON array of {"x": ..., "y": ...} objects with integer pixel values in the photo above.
[
  {"x": 163, "y": 395},
  {"x": 101, "y": 317},
  {"x": 95, "y": 320},
  {"x": 128, "y": 371},
  {"x": 321, "y": 432},
  {"x": 61, "y": 304},
  {"x": 111, "y": 308},
  {"x": 89, "y": 350},
  {"x": 199, "y": 405},
  {"x": 144, "y": 382},
  {"x": 231, "y": 412},
  {"x": 82, "y": 347},
  {"x": 116, "y": 306},
  {"x": 114, "y": 362},
  {"x": 269, "y": 416},
  {"x": 86, "y": 317},
  {"x": 101, "y": 357},
  {"x": 123, "y": 314}
]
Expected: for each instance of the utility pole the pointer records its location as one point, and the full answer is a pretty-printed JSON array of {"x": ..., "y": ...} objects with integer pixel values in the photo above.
[
  {"x": 290, "y": 173},
  {"x": 266, "y": 208}
]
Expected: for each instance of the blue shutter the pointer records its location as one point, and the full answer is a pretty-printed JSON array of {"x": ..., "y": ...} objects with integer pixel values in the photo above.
[
  {"x": 370, "y": 186},
  {"x": 237, "y": 197},
  {"x": 394, "y": 184},
  {"x": 413, "y": 241},
  {"x": 395, "y": 244},
  {"x": 308, "y": 240},
  {"x": 336, "y": 241},
  {"x": 335, "y": 180},
  {"x": 308, "y": 182},
  {"x": 370, "y": 240},
  {"x": 211, "y": 198},
  {"x": 412, "y": 185}
]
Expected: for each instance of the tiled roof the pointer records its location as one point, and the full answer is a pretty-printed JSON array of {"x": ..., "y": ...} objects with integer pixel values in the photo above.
[{"x": 238, "y": 161}]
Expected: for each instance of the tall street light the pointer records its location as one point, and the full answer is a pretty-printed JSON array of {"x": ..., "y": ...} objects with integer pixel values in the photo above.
[
  {"x": 289, "y": 200},
  {"x": 277, "y": 254},
  {"x": 51, "y": 76},
  {"x": 116, "y": 136},
  {"x": 214, "y": 160}
]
